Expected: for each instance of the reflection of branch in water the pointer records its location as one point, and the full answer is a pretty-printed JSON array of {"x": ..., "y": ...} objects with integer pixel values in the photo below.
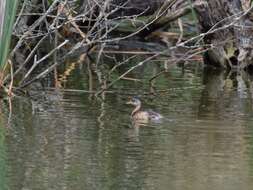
[
  {"x": 156, "y": 75},
  {"x": 102, "y": 108},
  {"x": 152, "y": 81},
  {"x": 249, "y": 78},
  {"x": 152, "y": 88},
  {"x": 90, "y": 76},
  {"x": 125, "y": 73},
  {"x": 10, "y": 111},
  {"x": 102, "y": 114},
  {"x": 63, "y": 77},
  {"x": 6, "y": 112},
  {"x": 223, "y": 91},
  {"x": 100, "y": 118},
  {"x": 188, "y": 55},
  {"x": 56, "y": 81}
]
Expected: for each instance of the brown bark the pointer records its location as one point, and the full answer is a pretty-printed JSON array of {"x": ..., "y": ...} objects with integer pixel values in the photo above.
[{"x": 233, "y": 44}]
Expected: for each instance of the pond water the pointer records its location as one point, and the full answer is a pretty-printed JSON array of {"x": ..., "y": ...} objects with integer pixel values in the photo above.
[{"x": 67, "y": 139}]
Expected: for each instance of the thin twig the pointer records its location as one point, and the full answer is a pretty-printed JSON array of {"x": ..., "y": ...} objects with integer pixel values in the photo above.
[{"x": 36, "y": 63}]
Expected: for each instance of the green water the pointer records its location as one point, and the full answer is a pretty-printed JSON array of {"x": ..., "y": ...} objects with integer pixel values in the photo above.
[{"x": 71, "y": 140}]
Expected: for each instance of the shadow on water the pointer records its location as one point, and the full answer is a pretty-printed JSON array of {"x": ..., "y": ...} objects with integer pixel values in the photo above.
[{"x": 63, "y": 139}]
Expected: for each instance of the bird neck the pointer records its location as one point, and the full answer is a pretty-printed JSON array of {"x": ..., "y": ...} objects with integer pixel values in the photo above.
[{"x": 136, "y": 109}]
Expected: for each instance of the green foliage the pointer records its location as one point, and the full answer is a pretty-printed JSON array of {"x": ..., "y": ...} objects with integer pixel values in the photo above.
[
  {"x": 7, "y": 13},
  {"x": 50, "y": 1}
]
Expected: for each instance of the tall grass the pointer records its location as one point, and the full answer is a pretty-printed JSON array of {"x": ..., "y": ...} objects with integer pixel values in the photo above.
[{"x": 7, "y": 16}]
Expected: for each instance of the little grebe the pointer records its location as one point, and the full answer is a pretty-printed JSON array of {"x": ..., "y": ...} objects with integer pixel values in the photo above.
[{"x": 143, "y": 116}]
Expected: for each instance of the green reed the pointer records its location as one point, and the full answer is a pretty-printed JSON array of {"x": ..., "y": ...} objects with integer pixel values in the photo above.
[{"x": 7, "y": 17}]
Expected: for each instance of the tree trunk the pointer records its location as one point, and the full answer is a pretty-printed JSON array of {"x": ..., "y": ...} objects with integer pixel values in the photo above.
[
  {"x": 227, "y": 23},
  {"x": 233, "y": 40}
]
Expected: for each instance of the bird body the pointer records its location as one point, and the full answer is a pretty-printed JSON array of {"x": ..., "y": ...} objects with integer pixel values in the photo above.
[{"x": 143, "y": 116}]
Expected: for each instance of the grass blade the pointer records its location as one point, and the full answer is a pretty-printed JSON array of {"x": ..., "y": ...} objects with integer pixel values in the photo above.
[{"x": 7, "y": 16}]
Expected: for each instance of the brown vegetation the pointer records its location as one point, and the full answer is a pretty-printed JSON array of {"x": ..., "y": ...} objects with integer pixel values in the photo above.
[{"x": 71, "y": 28}]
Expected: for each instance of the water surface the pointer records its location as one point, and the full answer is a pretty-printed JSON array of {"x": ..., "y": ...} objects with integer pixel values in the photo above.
[{"x": 64, "y": 139}]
